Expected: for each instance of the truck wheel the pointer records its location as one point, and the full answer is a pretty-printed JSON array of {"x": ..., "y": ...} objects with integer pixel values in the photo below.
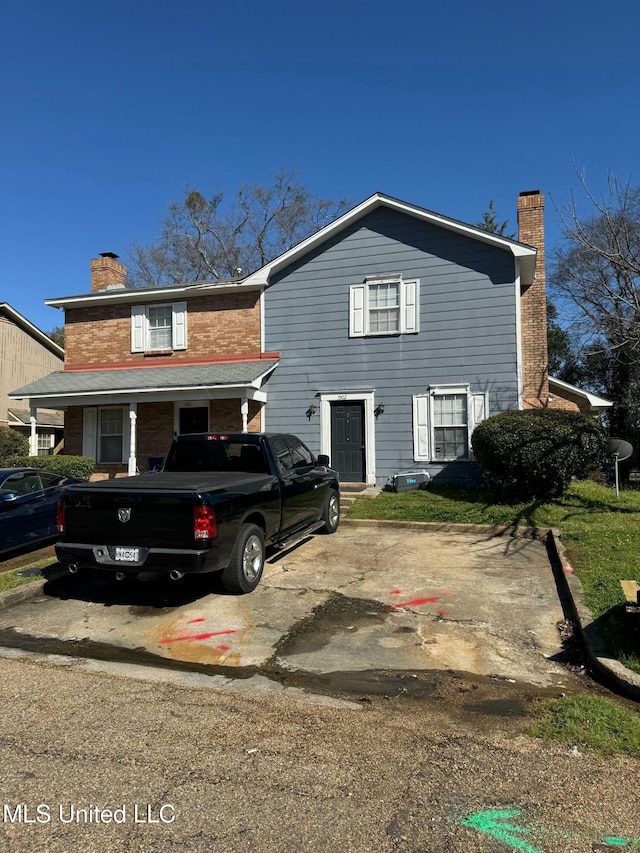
[
  {"x": 247, "y": 561},
  {"x": 331, "y": 512}
]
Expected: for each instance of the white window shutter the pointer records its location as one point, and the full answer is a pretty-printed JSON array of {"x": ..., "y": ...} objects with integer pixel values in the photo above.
[
  {"x": 138, "y": 324},
  {"x": 90, "y": 433},
  {"x": 357, "y": 316},
  {"x": 479, "y": 406},
  {"x": 126, "y": 435},
  {"x": 179, "y": 322},
  {"x": 411, "y": 306},
  {"x": 421, "y": 451}
]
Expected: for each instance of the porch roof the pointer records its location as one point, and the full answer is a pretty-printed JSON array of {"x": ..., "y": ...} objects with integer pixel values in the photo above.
[{"x": 84, "y": 387}]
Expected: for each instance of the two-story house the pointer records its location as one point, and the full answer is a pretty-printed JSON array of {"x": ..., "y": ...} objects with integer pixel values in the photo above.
[
  {"x": 142, "y": 365},
  {"x": 381, "y": 340},
  {"x": 26, "y": 354}
]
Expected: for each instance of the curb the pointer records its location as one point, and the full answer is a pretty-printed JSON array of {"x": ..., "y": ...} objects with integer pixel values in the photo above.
[
  {"x": 625, "y": 679},
  {"x": 21, "y": 593}
]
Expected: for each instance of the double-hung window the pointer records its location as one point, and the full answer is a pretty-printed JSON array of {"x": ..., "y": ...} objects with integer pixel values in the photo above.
[
  {"x": 111, "y": 435},
  {"x": 155, "y": 328},
  {"x": 443, "y": 421},
  {"x": 384, "y": 305},
  {"x": 450, "y": 426},
  {"x": 106, "y": 434}
]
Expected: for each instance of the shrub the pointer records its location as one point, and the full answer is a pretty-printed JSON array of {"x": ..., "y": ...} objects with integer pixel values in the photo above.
[
  {"x": 535, "y": 453},
  {"x": 12, "y": 443},
  {"x": 80, "y": 467}
]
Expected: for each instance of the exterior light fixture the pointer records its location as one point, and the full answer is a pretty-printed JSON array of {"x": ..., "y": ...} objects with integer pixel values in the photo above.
[
  {"x": 379, "y": 410},
  {"x": 311, "y": 411}
]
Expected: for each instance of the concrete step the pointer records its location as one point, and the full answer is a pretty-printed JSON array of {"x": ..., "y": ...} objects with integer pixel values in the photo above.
[{"x": 350, "y": 492}]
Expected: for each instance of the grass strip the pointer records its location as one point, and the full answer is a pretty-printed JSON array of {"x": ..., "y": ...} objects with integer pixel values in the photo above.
[
  {"x": 15, "y": 577},
  {"x": 591, "y": 723}
]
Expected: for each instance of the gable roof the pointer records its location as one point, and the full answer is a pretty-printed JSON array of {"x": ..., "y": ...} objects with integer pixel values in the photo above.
[
  {"x": 44, "y": 417},
  {"x": 150, "y": 294},
  {"x": 15, "y": 317},
  {"x": 525, "y": 254}
]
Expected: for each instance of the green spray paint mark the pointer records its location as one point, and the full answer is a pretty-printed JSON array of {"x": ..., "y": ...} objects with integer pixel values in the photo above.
[
  {"x": 494, "y": 823},
  {"x": 614, "y": 841}
]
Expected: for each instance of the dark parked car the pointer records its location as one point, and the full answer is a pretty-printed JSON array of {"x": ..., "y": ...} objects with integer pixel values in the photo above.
[{"x": 28, "y": 505}]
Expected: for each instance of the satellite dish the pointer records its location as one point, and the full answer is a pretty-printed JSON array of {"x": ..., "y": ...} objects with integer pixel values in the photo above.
[{"x": 620, "y": 448}]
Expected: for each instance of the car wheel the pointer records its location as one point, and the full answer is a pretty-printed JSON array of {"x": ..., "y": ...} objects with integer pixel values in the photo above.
[
  {"x": 247, "y": 561},
  {"x": 331, "y": 513}
]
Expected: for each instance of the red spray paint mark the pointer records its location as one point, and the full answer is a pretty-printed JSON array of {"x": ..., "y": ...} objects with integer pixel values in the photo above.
[
  {"x": 395, "y": 592},
  {"x": 199, "y": 619},
  {"x": 198, "y": 636},
  {"x": 446, "y": 592},
  {"x": 442, "y": 612},
  {"x": 223, "y": 648},
  {"x": 414, "y": 603}
]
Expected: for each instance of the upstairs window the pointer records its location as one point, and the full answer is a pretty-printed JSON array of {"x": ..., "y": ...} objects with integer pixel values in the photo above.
[
  {"x": 159, "y": 327},
  {"x": 384, "y": 305},
  {"x": 159, "y": 318}
]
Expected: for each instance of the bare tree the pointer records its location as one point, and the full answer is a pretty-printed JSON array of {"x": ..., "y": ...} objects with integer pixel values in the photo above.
[
  {"x": 214, "y": 238},
  {"x": 597, "y": 273},
  {"x": 598, "y": 268}
]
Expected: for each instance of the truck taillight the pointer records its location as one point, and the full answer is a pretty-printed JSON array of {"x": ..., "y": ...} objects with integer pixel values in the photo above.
[
  {"x": 204, "y": 523},
  {"x": 60, "y": 517}
]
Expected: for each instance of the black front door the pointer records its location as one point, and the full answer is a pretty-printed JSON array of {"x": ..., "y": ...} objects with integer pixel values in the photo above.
[
  {"x": 194, "y": 419},
  {"x": 347, "y": 441}
]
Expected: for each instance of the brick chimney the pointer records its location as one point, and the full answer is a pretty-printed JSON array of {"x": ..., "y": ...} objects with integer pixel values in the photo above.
[
  {"x": 533, "y": 305},
  {"x": 107, "y": 273}
]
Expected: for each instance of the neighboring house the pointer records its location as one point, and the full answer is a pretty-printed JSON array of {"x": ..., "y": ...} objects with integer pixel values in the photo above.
[
  {"x": 382, "y": 340},
  {"x": 27, "y": 354}
]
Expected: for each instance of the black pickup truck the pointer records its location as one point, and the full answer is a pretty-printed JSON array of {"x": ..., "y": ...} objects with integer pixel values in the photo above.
[{"x": 220, "y": 500}]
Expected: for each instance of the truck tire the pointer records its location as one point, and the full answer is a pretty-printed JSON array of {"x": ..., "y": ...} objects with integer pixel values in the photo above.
[
  {"x": 247, "y": 561},
  {"x": 331, "y": 512}
]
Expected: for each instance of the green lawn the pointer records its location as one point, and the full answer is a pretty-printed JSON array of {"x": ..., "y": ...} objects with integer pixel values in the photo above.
[
  {"x": 600, "y": 532},
  {"x": 13, "y": 578}
]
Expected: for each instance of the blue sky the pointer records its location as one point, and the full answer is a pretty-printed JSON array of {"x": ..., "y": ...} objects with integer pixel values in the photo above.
[{"x": 110, "y": 110}]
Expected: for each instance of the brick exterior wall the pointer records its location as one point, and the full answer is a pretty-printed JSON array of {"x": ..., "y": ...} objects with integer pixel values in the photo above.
[
  {"x": 533, "y": 305},
  {"x": 106, "y": 272},
  {"x": 155, "y": 428},
  {"x": 226, "y": 324}
]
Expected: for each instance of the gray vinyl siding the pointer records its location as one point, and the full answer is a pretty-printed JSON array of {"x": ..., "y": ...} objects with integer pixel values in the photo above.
[{"x": 467, "y": 331}]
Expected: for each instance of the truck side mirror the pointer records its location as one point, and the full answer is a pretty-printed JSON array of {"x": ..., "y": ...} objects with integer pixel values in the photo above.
[{"x": 323, "y": 459}]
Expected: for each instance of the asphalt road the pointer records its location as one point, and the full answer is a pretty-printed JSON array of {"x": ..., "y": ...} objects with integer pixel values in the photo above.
[{"x": 185, "y": 767}]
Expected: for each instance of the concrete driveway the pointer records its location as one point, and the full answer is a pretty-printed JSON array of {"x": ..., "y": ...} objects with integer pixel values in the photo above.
[{"x": 374, "y": 597}]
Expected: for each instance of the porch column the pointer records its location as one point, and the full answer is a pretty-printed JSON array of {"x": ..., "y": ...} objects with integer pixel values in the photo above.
[
  {"x": 33, "y": 433},
  {"x": 133, "y": 416},
  {"x": 244, "y": 408}
]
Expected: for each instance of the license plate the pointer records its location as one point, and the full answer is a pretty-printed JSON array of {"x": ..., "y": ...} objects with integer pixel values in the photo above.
[{"x": 127, "y": 555}]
